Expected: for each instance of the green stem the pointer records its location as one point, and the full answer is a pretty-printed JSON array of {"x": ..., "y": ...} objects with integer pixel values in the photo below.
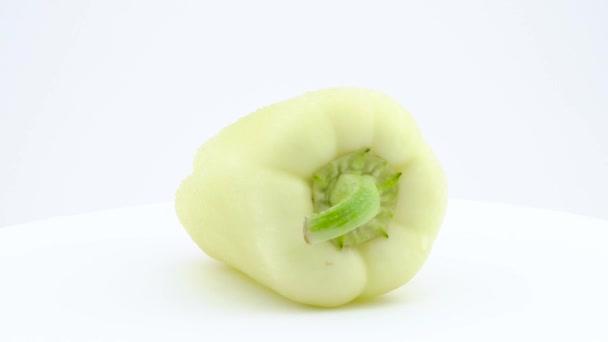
[{"x": 355, "y": 200}]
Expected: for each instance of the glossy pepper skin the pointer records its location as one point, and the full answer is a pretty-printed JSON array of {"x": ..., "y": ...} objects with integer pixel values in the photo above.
[{"x": 250, "y": 193}]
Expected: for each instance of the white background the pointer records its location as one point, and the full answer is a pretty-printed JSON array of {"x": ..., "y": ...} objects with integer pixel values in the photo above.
[{"x": 103, "y": 103}]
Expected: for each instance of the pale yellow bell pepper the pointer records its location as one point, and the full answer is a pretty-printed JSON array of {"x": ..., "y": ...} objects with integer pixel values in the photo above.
[{"x": 324, "y": 198}]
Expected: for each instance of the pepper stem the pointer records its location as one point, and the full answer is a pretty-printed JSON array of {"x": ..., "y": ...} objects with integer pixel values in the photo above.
[{"x": 355, "y": 201}]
